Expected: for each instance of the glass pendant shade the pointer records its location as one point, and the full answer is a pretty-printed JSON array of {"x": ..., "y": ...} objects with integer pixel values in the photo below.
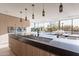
[
  {"x": 43, "y": 12},
  {"x": 21, "y": 15},
  {"x": 33, "y": 5},
  {"x": 26, "y": 13},
  {"x": 25, "y": 9},
  {"x": 33, "y": 16},
  {"x": 60, "y": 8},
  {"x": 26, "y": 18}
]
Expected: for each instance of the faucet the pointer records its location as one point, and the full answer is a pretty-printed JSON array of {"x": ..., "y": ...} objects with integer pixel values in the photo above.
[
  {"x": 38, "y": 32},
  {"x": 57, "y": 35}
]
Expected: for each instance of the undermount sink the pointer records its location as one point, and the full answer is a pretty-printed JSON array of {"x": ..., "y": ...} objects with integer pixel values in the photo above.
[
  {"x": 38, "y": 38},
  {"x": 44, "y": 39}
]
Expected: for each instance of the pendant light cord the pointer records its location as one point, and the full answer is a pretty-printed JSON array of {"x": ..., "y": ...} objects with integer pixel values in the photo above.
[
  {"x": 21, "y": 16},
  {"x": 33, "y": 11},
  {"x": 25, "y": 14},
  {"x": 25, "y": 11},
  {"x": 43, "y": 6},
  {"x": 33, "y": 7}
]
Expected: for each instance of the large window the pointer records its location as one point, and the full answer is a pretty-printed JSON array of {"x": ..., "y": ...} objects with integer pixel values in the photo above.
[
  {"x": 66, "y": 25},
  {"x": 51, "y": 27},
  {"x": 69, "y": 26},
  {"x": 75, "y": 26},
  {"x": 41, "y": 26},
  {"x": 44, "y": 27}
]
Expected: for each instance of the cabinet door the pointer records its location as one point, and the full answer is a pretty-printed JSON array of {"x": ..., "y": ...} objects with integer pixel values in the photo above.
[
  {"x": 35, "y": 51},
  {"x": 12, "y": 44},
  {"x": 27, "y": 50},
  {"x": 43, "y": 53},
  {"x": 16, "y": 46},
  {"x": 30, "y": 50},
  {"x": 52, "y": 54},
  {"x": 24, "y": 49}
]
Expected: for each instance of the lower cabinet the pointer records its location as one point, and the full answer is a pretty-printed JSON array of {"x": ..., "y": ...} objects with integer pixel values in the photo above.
[
  {"x": 24, "y": 49},
  {"x": 16, "y": 46},
  {"x": 27, "y": 50},
  {"x": 43, "y": 53},
  {"x": 53, "y": 54},
  {"x": 35, "y": 51}
]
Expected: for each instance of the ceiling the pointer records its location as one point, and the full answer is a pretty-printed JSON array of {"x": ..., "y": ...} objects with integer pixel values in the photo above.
[{"x": 71, "y": 10}]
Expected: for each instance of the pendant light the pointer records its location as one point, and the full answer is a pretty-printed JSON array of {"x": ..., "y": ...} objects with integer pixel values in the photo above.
[
  {"x": 33, "y": 16},
  {"x": 61, "y": 7},
  {"x": 43, "y": 11},
  {"x": 25, "y": 14},
  {"x": 21, "y": 15}
]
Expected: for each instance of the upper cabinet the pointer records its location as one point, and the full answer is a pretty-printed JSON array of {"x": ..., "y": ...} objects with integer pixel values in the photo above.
[{"x": 7, "y": 21}]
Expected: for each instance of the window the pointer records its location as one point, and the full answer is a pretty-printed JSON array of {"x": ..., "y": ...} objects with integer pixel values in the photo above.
[
  {"x": 44, "y": 26},
  {"x": 66, "y": 25},
  {"x": 75, "y": 26}
]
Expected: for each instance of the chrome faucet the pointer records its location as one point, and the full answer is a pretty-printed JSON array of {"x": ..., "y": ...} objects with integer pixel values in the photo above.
[
  {"x": 57, "y": 35},
  {"x": 38, "y": 32}
]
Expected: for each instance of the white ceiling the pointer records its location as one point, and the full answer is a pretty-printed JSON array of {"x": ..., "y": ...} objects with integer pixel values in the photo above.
[{"x": 71, "y": 10}]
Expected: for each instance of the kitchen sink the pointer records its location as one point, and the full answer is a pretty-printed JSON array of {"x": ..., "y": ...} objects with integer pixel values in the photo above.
[
  {"x": 38, "y": 38},
  {"x": 44, "y": 39}
]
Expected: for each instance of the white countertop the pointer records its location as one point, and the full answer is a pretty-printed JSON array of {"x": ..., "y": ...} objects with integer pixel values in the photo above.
[{"x": 63, "y": 43}]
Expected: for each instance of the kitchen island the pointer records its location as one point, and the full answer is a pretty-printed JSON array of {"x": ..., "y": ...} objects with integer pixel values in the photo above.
[{"x": 37, "y": 46}]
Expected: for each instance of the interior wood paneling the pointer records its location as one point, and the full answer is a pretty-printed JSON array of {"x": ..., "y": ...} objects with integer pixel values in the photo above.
[{"x": 10, "y": 21}]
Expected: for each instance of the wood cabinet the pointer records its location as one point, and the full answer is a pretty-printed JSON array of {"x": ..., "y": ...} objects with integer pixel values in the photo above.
[
  {"x": 52, "y": 54},
  {"x": 35, "y": 51},
  {"x": 24, "y": 49},
  {"x": 43, "y": 53},
  {"x": 27, "y": 50},
  {"x": 16, "y": 46},
  {"x": 10, "y": 21}
]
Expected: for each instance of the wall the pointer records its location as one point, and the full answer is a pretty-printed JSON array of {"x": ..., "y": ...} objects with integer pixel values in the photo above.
[{"x": 10, "y": 21}]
